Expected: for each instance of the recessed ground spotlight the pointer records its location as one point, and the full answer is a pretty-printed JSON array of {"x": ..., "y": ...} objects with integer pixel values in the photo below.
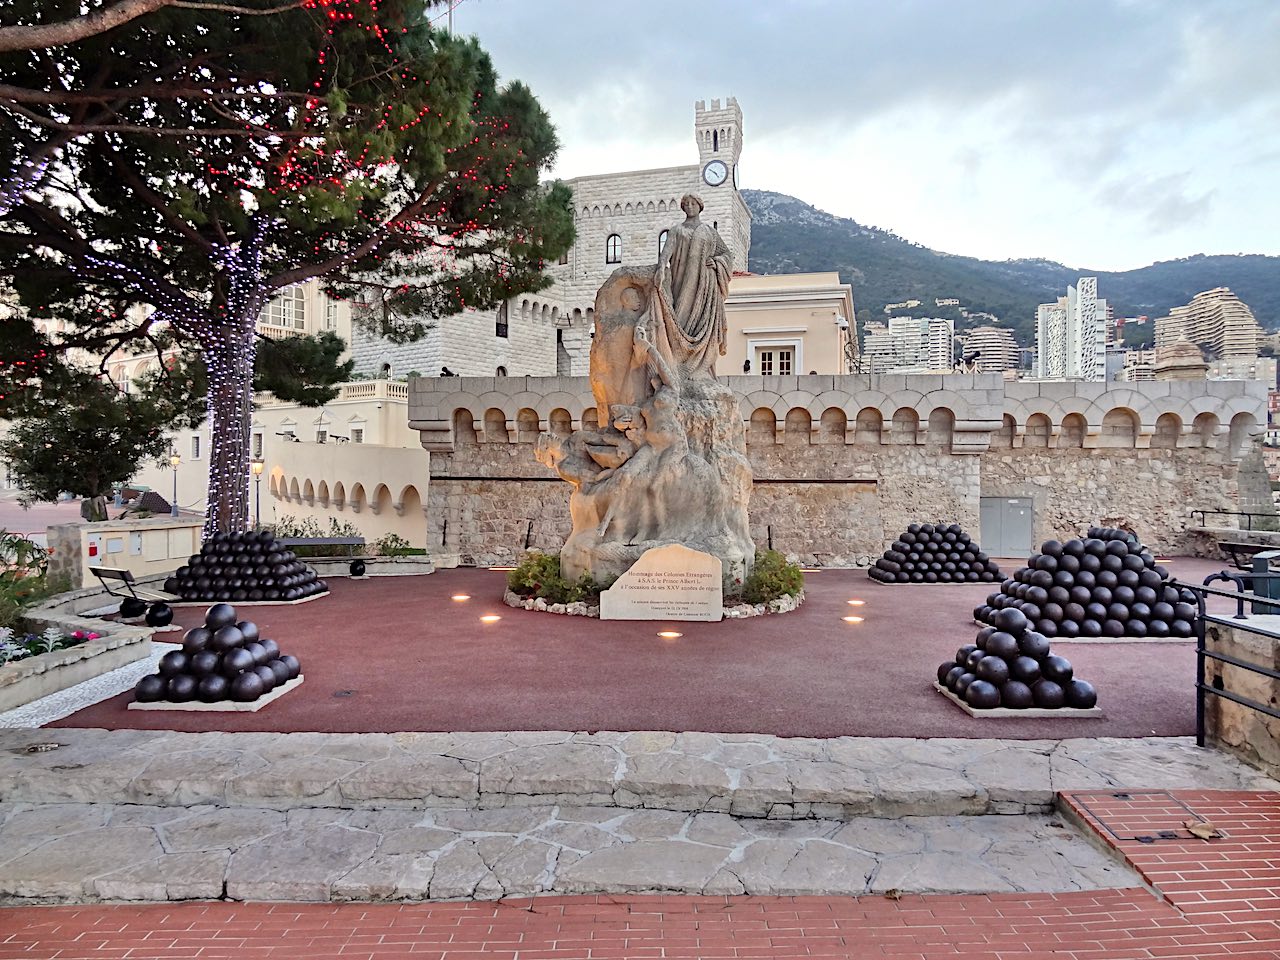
[
  {"x": 461, "y": 596},
  {"x": 855, "y": 603},
  {"x": 502, "y": 568},
  {"x": 670, "y": 634},
  {"x": 852, "y": 619},
  {"x": 810, "y": 570},
  {"x": 490, "y": 618}
]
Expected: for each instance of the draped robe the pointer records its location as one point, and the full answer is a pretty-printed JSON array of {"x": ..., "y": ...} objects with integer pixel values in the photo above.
[{"x": 691, "y": 286}]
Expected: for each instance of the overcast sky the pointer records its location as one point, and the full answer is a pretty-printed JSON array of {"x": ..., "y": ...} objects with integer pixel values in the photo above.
[{"x": 1099, "y": 133}]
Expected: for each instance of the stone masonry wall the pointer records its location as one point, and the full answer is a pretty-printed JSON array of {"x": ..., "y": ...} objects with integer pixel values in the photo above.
[{"x": 843, "y": 464}]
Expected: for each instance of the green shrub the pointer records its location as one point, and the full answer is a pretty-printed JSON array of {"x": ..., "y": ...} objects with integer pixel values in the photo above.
[
  {"x": 392, "y": 545},
  {"x": 538, "y": 575},
  {"x": 772, "y": 577}
]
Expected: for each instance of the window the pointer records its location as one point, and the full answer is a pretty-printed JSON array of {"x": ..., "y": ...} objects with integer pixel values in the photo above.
[
  {"x": 500, "y": 328},
  {"x": 322, "y": 436},
  {"x": 257, "y": 446},
  {"x": 775, "y": 361},
  {"x": 288, "y": 309},
  {"x": 715, "y": 140},
  {"x": 613, "y": 249},
  {"x": 662, "y": 242},
  {"x": 357, "y": 434},
  {"x": 564, "y": 258},
  {"x": 502, "y": 371},
  {"x": 330, "y": 313},
  {"x": 195, "y": 447}
]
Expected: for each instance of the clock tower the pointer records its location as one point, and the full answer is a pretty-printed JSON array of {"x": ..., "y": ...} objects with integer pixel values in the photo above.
[{"x": 718, "y": 130}]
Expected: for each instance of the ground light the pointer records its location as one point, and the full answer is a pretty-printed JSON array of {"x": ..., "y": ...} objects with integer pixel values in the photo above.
[
  {"x": 461, "y": 596},
  {"x": 670, "y": 634},
  {"x": 855, "y": 603},
  {"x": 852, "y": 619},
  {"x": 490, "y": 618},
  {"x": 502, "y": 568}
]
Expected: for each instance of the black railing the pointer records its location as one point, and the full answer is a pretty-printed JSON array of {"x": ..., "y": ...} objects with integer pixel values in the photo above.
[
  {"x": 1241, "y": 596},
  {"x": 1248, "y": 518}
]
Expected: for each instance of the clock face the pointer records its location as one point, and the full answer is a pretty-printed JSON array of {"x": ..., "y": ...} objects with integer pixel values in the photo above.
[{"x": 715, "y": 173}]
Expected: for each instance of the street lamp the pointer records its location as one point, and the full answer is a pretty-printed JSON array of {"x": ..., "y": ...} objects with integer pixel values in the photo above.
[
  {"x": 257, "y": 465},
  {"x": 174, "y": 461}
]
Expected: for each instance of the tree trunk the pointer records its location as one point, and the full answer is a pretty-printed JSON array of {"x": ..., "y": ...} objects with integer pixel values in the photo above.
[{"x": 228, "y": 357}]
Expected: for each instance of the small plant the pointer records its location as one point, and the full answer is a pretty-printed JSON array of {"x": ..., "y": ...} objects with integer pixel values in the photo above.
[
  {"x": 772, "y": 577},
  {"x": 50, "y": 640},
  {"x": 391, "y": 545},
  {"x": 14, "y": 648},
  {"x": 538, "y": 575}
]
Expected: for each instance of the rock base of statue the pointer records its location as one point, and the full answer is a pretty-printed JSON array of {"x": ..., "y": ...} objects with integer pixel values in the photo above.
[{"x": 667, "y": 461}]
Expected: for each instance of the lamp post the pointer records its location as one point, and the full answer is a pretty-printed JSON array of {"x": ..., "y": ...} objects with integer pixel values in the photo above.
[
  {"x": 257, "y": 465},
  {"x": 174, "y": 461}
]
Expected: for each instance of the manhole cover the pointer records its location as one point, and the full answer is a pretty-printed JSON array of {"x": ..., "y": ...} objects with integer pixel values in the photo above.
[
  {"x": 1145, "y": 816},
  {"x": 344, "y": 693}
]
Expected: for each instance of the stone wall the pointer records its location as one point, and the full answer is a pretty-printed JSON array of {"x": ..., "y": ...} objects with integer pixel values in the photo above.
[
  {"x": 843, "y": 464},
  {"x": 1247, "y": 733}
]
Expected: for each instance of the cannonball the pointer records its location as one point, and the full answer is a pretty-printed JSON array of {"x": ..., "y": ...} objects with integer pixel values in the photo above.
[
  {"x": 929, "y": 577},
  {"x": 1038, "y": 595},
  {"x": 1080, "y": 695},
  {"x": 1118, "y": 611},
  {"x": 159, "y": 614},
  {"x": 1182, "y": 628},
  {"x": 293, "y": 593},
  {"x": 1073, "y": 548},
  {"x": 173, "y": 663},
  {"x": 203, "y": 585},
  {"x": 1069, "y": 629},
  {"x": 982, "y": 695},
  {"x": 945, "y": 668},
  {"x": 213, "y": 688},
  {"x": 1124, "y": 595},
  {"x": 151, "y": 688},
  {"x": 1146, "y": 595},
  {"x": 993, "y": 670},
  {"x": 1053, "y": 612},
  {"x": 1073, "y": 613},
  {"x": 1112, "y": 564},
  {"x": 1025, "y": 669},
  {"x": 1095, "y": 547},
  {"x": 1134, "y": 563},
  {"x": 979, "y": 612},
  {"x": 1152, "y": 579},
  {"x": 1089, "y": 627},
  {"x": 295, "y": 668},
  {"x": 255, "y": 594},
  {"x": 171, "y": 584},
  {"x": 236, "y": 661},
  {"x": 1015, "y": 695},
  {"x": 1047, "y": 627},
  {"x": 1140, "y": 611},
  {"x": 1057, "y": 669},
  {"x": 1080, "y": 595},
  {"x": 926, "y": 528},
  {"x": 1090, "y": 565},
  {"x": 205, "y": 662},
  {"x": 962, "y": 654},
  {"x": 239, "y": 595},
  {"x": 1068, "y": 564},
  {"x": 267, "y": 676},
  {"x": 258, "y": 652},
  {"x": 281, "y": 670},
  {"x": 962, "y": 684},
  {"x": 1011, "y": 620},
  {"x": 1112, "y": 627},
  {"x": 1095, "y": 611},
  {"x": 1047, "y": 695},
  {"x": 226, "y": 638},
  {"x": 1158, "y": 628},
  {"x": 1101, "y": 596},
  {"x": 247, "y": 687},
  {"x": 1107, "y": 579},
  {"x": 971, "y": 662},
  {"x": 1034, "y": 644},
  {"x": 1117, "y": 548},
  {"x": 249, "y": 630},
  {"x": 220, "y": 615},
  {"x": 1001, "y": 644},
  {"x": 132, "y": 607},
  {"x": 181, "y": 688},
  {"x": 1064, "y": 579},
  {"x": 980, "y": 641},
  {"x": 1059, "y": 595},
  {"x": 1042, "y": 579},
  {"x": 196, "y": 639},
  {"x": 1006, "y": 586},
  {"x": 1030, "y": 611},
  {"x": 1135, "y": 628},
  {"x": 1051, "y": 548},
  {"x": 1185, "y": 611},
  {"x": 987, "y": 576}
]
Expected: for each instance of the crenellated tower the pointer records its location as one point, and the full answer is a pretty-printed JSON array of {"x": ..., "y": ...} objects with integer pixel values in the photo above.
[{"x": 718, "y": 131}]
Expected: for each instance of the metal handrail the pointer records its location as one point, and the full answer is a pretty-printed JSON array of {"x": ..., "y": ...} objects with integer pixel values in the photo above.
[
  {"x": 1248, "y": 515},
  {"x": 1203, "y": 653}
]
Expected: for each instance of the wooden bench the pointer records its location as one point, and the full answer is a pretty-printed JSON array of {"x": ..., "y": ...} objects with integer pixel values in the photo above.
[
  {"x": 1241, "y": 554},
  {"x": 126, "y": 577}
]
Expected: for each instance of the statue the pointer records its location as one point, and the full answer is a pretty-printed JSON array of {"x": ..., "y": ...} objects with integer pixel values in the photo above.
[{"x": 667, "y": 461}]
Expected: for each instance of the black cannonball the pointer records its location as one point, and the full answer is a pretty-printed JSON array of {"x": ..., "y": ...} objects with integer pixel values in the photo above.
[
  {"x": 1182, "y": 628},
  {"x": 1152, "y": 579},
  {"x": 900, "y": 577},
  {"x": 1080, "y": 595},
  {"x": 987, "y": 576},
  {"x": 962, "y": 654},
  {"x": 982, "y": 695},
  {"x": 962, "y": 684},
  {"x": 213, "y": 688},
  {"x": 1059, "y": 595},
  {"x": 1057, "y": 669},
  {"x": 159, "y": 614},
  {"x": 205, "y": 662},
  {"x": 1135, "y": 628},
  {"x": 993, "y": 669},
  {"x": 1124, "y": 596},
  {"x": 1158, "y": 628},
  {"x": 1068, "y": 564},
  {"x": 1002, "y": 644},
  {"x": 1034, "y": 644},
  {"x": 237, "y": 661},
  {"x": 1048, "y": 695},
  {"x": 1133, "y": 563},
  {"x": 1073, "y": 613},
  {"x": 1146, "y": 595},
  {"x": 1053, "y": 612},
  {"x": 239, "y": 595},
  {"x": 1089, "y": 565},
  {"x": 226, "y": 638},
  {"x": 1069, "y": 629},
  {"x": 1051, "y": 548},
  {"x": 1030, "y": 611},
  {"x": 1015, "y": 695},
  {"x": 1185, "y": 611},
  {"x": 1107, "y": 579},
  {"x": 173, "y": 663},
  {"x": 1073, "y": 548},
  {"x": 151, "y": 688},
  {"x": 1042, "y": 579},
  {"x": 971, "y": 662},
  {"x": 295, "y": 668},
  {"x": 1038, "y": 595},
  {"x": 1101, "y": 596},
  {"x": 1089, "y": 627},
  {"x": 1117, "y": 548},
  {"x": 255, "y": 594},
  {"x": 181, "y": 688},
  {"x": 1169, "y": 594},
  {"x": 132, "y": 607},
  {"x": 926, "y": 529},
  {"x": 979, "y": 612},
  {"x": 1095, "y": 547},
  {"x": 220, "y": 615},
  {"x": 292, "y": 592},
  {"x": 1047, "y": 627},
  {"x": 1064, "y": 579},
  {"x": 247, "y": 687},
  {"x": 196, "y": 639},
  {"x": 1007, "y": 585},
  {"x": 1011, "y": 620},
  {"x": 267, "y": 676},
  {"x": 931, "y": 577},
  {"x": 945, "y": 668},
  {"x": 980, "y": 641},
  {"x": 203, "y": 585},
  {"x": 1080, "y": 695},
  {"x": 1095, "y": 611},
  {"x": 1025, "y": 669},
  {"x": 258, "y": 652},
  {"x": 1112, "y": 564},
  {"x": 281, "y": 670},
  {"x": 266, "y": 537},
  {"x": 171, "y": 584},
  {"x": 1140, "y": 611},
  {"x": 1113, "y": 627}
]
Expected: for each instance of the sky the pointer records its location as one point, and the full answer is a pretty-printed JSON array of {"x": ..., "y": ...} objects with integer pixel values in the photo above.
[{"x": 1103, "y": 134}]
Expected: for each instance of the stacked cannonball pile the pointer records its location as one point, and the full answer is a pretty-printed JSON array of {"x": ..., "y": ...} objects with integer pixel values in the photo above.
[
  {"x": 1107, "y": 585},
  {"x": 934, "y": 553},
  {"x": 222, "y": 660},
  {"x": 1009, "y": 665},
  {"x": 248, "y": 566}
]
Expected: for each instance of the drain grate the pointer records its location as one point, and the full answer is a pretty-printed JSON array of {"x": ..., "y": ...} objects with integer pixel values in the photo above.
[
  {"x": 344, "y": 693},
  {"x": 1145, "y": 816}
]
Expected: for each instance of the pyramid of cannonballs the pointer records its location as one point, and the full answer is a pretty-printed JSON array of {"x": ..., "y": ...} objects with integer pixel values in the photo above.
[
  {"x": 1009, "y": 665},
  {"x": 934, "y": 553},
  {"x": 1107, "y": 585},
  {"x": 247, "y": 566},
  {"x": 222, "y": 660}
]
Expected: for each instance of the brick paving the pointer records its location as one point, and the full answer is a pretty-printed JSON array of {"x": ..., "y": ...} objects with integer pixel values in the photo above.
[{"x": 1214, "y": 898}]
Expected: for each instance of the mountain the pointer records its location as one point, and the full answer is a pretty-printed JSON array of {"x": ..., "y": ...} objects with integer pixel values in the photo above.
[{"x": 790, "y": 236}]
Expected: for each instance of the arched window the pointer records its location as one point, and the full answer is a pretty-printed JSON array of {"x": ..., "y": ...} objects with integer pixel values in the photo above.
[
  {"x": 613, "y": 249},
  {"x": 662, "y": 242},
  {"x": 502, "y": 371},
  {"x": 715, "y": 140}
]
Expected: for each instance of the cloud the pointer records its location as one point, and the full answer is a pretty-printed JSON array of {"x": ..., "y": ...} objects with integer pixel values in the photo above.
[{"x": 1165, "y": 203}]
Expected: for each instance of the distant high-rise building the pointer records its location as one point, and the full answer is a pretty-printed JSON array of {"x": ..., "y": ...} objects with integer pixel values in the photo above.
[
  {"x": 909, "y": 345},
  {"x": 997, "y": 350},
  {"x": 1216, "y": 321},
  {"x": 1071, "y": 335},
  {"x": 1244, "y": 368}
]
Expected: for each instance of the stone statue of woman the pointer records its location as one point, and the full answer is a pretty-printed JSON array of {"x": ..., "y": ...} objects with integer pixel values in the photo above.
[{"x": 692, "y": 282}]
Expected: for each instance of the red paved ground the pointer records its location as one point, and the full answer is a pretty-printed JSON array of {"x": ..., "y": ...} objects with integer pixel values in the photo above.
[
  {"x": 1218, "y": 911},
  {"x": 413, "y": 659}
]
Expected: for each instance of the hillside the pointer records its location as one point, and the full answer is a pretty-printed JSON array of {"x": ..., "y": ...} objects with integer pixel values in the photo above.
[{"x": 790, "y": 236}]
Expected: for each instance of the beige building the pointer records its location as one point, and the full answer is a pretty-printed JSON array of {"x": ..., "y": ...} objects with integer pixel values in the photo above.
[
  {"x": 996, "y": 346},
  {"x": 1216, "y": 321},
  {"x": 792, "y": 324},
  {"x": 1244, "y": 368}
]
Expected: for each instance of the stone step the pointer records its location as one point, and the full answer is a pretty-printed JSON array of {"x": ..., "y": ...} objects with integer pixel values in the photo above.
[
  {"x": 88, "y": 852},
  {"x": 745, "y": 775}
]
